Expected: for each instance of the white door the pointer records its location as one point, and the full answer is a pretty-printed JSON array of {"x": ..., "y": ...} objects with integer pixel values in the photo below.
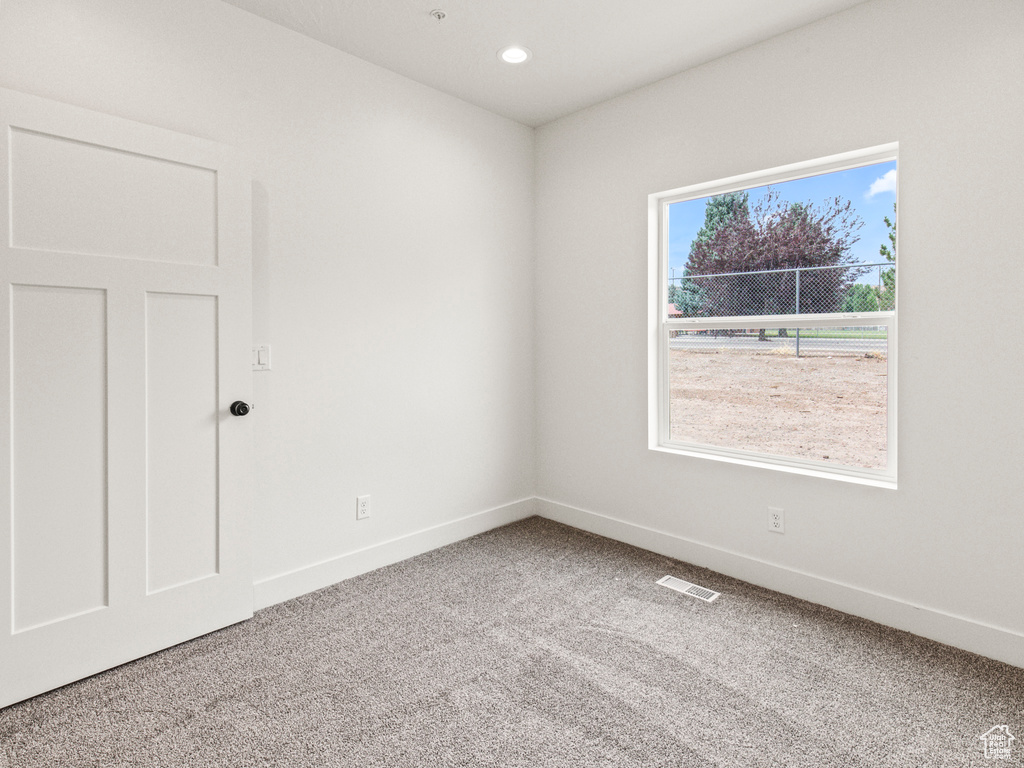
[{"x": 125, "y": 311}]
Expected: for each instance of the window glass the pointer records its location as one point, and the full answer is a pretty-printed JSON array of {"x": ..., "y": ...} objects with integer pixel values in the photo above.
[{"x": 776, "y": 316}]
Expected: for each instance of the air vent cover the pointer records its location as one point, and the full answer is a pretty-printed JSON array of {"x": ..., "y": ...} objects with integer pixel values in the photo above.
[{"x": 693, "y": 590}]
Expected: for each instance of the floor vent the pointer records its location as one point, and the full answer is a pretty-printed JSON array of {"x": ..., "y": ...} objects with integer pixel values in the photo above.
[{"x": 701, "y": 593}]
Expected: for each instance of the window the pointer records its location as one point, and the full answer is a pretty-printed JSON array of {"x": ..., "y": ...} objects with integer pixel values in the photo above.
[{"x": 773, "y": 318}]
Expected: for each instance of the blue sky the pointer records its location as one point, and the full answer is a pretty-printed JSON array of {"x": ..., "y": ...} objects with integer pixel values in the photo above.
[{"x": 871, "y": 189}]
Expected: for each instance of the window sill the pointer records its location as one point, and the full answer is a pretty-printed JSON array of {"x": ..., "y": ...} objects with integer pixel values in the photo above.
[{"x": 874, "y": 478}]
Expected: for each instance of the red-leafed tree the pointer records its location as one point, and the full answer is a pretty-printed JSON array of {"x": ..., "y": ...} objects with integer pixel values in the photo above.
[{"x": 773, "y": 235}]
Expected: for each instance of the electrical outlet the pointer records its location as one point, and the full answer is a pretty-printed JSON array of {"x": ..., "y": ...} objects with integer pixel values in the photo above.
[
  {"x": 776, "y": 520},
  {"x": 362, "y": 507}
]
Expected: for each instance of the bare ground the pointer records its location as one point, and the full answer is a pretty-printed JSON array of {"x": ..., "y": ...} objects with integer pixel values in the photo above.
[{"x": 823, "y": 408}]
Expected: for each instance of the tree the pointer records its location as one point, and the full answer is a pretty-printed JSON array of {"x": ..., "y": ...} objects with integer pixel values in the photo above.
[
  {"x": 722, "y": 211},
  {"x": 687, "y": 296},
  {"x": 889, "y": 275},
  {"x": 776, "y": 235},
  {"x": 861, "y": 298},
  {"x": 890, "y": 224}
]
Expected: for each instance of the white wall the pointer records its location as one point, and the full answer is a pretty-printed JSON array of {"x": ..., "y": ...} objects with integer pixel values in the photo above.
[
  {"x": 945, "y": 80},
  {"x": 393, "y": 260}
]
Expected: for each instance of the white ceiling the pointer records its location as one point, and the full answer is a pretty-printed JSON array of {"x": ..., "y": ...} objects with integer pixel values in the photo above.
[{"x": 584, "y": 51}]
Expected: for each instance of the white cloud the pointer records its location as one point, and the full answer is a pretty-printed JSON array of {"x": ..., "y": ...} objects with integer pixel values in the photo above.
[{"x": 882, "y": 184}]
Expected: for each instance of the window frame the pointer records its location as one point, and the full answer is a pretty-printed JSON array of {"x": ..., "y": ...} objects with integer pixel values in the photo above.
[{"x": 660, "y": 325}]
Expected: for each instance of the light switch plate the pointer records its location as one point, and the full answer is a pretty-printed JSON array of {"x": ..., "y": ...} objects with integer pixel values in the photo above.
[{"x": 261, "y": 358}]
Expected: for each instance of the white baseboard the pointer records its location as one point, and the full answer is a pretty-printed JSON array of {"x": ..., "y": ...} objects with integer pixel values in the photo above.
[
  {"x": 984, "y": 639},
  {"x": 285, "y": 586}
]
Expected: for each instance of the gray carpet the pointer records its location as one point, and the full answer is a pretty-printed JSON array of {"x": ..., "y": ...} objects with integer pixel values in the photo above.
[{"x": 532, "y": 645}]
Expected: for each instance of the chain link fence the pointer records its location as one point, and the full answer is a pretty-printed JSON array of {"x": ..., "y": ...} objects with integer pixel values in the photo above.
[{"x": 802, "y": 290}]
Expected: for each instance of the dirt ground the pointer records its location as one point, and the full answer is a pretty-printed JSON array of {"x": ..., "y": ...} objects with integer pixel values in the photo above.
[{"x": 823, "y": 408}]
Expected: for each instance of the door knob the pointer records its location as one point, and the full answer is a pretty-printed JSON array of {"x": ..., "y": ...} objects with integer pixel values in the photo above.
[{"x": 238, "y": 408}]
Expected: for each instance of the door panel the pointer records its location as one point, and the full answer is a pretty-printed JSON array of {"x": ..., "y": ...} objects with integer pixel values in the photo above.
[
  {"x": 182, "y": 438},
  {"x": 125, "y": 317},
  {"x": 75, "y": 197},
  {"x": 59, "y": 499}
]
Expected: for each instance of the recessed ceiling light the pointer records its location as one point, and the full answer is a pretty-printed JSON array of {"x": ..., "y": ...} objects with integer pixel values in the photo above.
[{"x": 514, "y": 54}]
